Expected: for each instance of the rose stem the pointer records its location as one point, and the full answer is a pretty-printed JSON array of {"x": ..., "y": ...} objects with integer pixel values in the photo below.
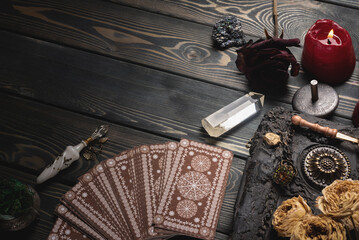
[
  {"x": 275, "y": 16},
  {"x": 355, "y": 230}
]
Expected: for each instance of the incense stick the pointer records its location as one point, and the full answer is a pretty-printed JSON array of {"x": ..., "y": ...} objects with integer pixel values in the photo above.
[{"x": 275, "y": 17}]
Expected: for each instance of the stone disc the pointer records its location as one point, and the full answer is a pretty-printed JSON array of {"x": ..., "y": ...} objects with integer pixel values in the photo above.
[{"x": 326, "y": 104}]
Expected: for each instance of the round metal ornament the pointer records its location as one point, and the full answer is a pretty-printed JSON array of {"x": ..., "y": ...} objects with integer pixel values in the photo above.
[{"x": 322, "y": 164}]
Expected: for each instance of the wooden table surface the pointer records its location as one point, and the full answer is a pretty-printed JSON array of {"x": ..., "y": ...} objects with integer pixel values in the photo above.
[{"x": 146, "y": 68}]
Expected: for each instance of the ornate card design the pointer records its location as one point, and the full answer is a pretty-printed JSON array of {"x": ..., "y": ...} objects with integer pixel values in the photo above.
[{"x": 152, "y": 191}]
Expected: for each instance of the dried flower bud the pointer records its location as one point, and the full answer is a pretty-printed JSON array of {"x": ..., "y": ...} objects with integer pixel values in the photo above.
[
  {"x": 87, "y": 155},
  {"x": 289, "y": 214},
  {"x": 272, "y": 138},
  {"x": 103, "y": 140},
  {"x": 94, "y": 148}
]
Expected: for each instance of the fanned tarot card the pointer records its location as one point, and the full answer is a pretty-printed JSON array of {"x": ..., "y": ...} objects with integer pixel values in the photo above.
[
  {"x": 195, "y": 188},
  {"x": 153, "y": 191},
  {"x": 62, "y": 230}
]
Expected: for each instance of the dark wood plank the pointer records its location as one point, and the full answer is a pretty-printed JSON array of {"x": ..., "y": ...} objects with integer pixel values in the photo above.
[
  {"x": 221, "y": 236},
  {"x": 77, "y": 80},
  {"x": 148, "y": 99},
  {"x": 33, "y": 134},
  {"x": 61, "y": 89},
  {"x": 345, "y": 3},
  {"x": 149, "y": 39},
  {"x": 150, "y": 105},
  {"x": 295, "y": 17}
]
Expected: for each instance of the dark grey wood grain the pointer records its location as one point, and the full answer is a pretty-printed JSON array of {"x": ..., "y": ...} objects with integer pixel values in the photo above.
[
  {"x": 153, "y": 40},
  {"x": 33, "y": 134},
  {"x": 147, "y": 99},
  {"x": 345, "y": 3},
  {"x": 294, "y": 17},
  {"x": 149, "y": 69}
]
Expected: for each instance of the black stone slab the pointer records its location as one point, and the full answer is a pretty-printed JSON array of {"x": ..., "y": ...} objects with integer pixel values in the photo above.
[{"x": 258, "y": 195}]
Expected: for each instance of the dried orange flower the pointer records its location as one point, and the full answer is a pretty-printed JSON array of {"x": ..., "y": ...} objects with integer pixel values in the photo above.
[
  {"x": 318, "y": 227},
  {"x": 289, "y": 214},
  {"x": 340, "y": 199}
]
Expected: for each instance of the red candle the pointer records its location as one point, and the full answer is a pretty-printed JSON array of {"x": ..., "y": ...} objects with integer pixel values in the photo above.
[{"x": 328, "y": 55}]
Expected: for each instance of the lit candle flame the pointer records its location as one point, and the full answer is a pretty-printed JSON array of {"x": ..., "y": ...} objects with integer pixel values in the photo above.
[{"x": 331, "y": 34}]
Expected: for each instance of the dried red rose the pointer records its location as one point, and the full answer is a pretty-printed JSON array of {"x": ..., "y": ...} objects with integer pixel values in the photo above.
[{"x": 266, "y": 62}]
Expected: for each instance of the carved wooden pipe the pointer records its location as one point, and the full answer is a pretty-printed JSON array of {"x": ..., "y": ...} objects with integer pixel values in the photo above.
[{"x": 330, "y": 132}]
